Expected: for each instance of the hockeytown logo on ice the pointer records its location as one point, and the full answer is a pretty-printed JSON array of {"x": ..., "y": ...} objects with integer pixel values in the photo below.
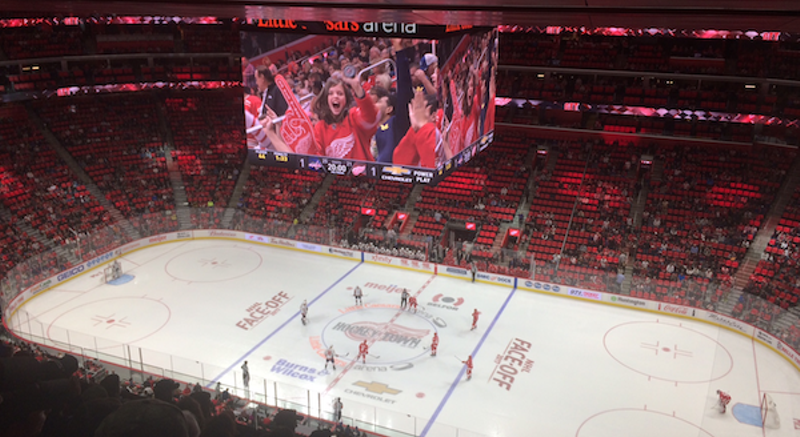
[{"x": 389, "y": 332}]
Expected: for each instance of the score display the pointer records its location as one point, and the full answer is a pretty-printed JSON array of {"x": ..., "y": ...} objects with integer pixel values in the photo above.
[{"x": 345, "y": 102}]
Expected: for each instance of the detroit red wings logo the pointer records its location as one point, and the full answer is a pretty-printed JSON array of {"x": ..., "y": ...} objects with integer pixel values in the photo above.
[
  {"x": 361, "y": 331},
  {"x": 340, "y": 147},
  {"x": 296, "y": 129}
]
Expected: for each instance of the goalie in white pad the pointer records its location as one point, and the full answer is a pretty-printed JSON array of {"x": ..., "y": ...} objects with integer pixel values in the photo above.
[
  {"x": 112, "y": 271},
  {"x": 769, "y": 413}
]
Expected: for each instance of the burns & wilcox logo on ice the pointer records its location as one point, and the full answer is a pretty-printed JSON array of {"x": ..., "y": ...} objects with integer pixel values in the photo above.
[
  {"x": 297, "y": 371},
  {"x": 260, "y": 311}
]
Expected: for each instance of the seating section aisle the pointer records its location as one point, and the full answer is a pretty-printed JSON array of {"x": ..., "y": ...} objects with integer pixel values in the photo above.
[
  {"x": 116, "y": 140},
  {"x": 39, "y": 188},
  {"x": 274, "y": 193},
  {"x": 777, "y": 275},
  {"x": 208, "y": 135},
  {"x": 342, "y": 204},
  {"x": 700, "y": 219}
]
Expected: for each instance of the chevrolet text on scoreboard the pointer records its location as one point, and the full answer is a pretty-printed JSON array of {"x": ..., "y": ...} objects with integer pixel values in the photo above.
[{"x": 399, "y": 102}]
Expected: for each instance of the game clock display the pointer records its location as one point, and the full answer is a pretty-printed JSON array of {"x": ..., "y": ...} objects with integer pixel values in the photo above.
[{"x": 341, "y": 167}]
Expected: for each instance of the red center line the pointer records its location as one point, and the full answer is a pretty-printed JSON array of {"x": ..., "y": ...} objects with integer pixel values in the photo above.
[{"x": 374, "y": 338}]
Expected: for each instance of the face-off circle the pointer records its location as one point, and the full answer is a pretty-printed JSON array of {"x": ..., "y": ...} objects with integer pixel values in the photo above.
[
  {"x": 394, "y": 336},
  {"x": 633, "y": 422},
  {"x": 213, "y": 264},
  {"x": 668, "y": 352},
  {"x": 130, "y": 318}
]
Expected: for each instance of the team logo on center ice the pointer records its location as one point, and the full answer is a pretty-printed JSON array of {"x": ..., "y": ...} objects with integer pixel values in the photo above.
[
  {"x": 396, "y": 337},
  {"x": 391, "y": 332}
]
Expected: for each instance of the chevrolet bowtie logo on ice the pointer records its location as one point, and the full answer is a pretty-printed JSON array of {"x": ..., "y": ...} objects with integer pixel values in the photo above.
[
  {"x": 397, "y": 171},
  {"x": 377, "y": 387}
]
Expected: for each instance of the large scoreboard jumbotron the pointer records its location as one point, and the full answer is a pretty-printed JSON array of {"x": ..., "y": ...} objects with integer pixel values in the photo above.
[{"x": 392, "y": 101}]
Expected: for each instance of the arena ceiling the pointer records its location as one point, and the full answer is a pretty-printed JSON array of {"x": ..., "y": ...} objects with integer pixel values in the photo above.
[{"x": 763, "y": 15}]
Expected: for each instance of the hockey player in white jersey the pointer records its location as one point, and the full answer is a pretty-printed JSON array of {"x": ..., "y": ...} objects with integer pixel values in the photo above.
[{"x": 304, "y": 312}]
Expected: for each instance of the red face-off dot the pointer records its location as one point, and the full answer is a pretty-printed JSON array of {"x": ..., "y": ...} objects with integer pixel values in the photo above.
[
  {"x": 267, "y": 358},
  {"x": 420, "y": 395},
  {"x": 665, "y": 349}
]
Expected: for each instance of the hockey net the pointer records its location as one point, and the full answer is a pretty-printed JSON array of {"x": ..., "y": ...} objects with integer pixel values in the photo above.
[{"x": 769, "y": 412}]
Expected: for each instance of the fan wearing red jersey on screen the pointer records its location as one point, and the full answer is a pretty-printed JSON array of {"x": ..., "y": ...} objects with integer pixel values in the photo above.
[
  {"x": 348, "y": 118},
  {"x": 422, "y": 141}
]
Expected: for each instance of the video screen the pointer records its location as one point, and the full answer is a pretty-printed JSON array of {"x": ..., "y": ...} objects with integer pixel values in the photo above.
[{"x": 405, "y": 109}]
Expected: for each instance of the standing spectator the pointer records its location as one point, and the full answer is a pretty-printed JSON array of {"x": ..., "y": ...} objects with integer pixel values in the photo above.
[
  {"x": 337, "y": 410},
  {"x": 271, "y": 96},
  {"x": 245, "y": 375}
]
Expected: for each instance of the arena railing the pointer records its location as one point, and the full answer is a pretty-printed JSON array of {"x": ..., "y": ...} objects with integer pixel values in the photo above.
[{"x": 708, "y": 294}]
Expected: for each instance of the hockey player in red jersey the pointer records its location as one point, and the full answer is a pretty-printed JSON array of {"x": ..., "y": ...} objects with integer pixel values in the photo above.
[
  {"x": 412, "y": 303},
  {"x": 363, "y": 350},
  {"x": 475, "y": 315},
  {"x": 724, "y": 400},
  {"x": 434, "y": 344},
  {"x": 468, "y": 363}
]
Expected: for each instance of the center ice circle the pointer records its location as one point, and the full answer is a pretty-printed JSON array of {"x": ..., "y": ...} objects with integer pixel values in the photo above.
[
  {"x": 668, "y": 352},
  {"x": 395, "y": 336},
  {"x": 213, "y": 264}
]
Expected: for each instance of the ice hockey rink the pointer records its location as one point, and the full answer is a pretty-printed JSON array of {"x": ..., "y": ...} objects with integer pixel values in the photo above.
[{"x": 544, "y": 365}]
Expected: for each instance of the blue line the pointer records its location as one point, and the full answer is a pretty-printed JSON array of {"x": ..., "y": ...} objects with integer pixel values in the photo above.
[
  {"x": 461, "y": 373},
  {"x": 211, "y": 384}
]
